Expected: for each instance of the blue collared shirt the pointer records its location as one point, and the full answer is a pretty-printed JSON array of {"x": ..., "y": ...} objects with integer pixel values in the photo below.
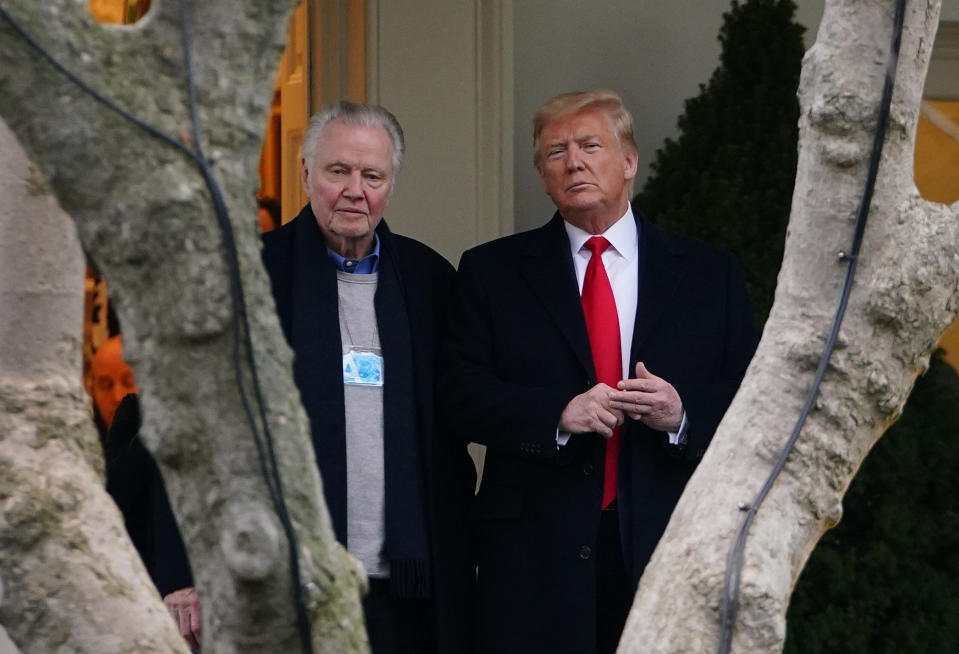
[{"x": 368, "y": 264}]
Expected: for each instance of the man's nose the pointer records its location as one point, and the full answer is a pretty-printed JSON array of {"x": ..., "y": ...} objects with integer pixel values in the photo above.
[
  {"x": 120, "y": 391},
  {"x": 354, "y": 185},
  {"x": 574, "y": 160}
]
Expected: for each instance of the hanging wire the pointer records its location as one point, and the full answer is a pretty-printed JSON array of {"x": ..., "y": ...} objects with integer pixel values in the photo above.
[
  {"x": 735, "y": 558},
  {"x": 240, "y": 322},
  {"x": 241, "y": 329}
]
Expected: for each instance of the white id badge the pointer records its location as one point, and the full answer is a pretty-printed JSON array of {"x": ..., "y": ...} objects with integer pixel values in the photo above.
[{"x": 362, "y": 368}]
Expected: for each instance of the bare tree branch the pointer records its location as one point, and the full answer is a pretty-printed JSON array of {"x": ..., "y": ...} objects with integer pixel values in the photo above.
[
  {"x": 905, "y": 295},
  {"x": 145, "y": 216}
]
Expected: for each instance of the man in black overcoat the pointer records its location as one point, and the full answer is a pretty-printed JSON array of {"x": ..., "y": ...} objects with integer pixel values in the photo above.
[{"x": 596, "y": 388}]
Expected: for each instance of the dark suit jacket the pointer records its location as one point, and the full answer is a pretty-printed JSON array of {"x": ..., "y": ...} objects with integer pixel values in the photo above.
[
  {"x": 304, "y": 286},
  {"x": 518, "y": 352}
]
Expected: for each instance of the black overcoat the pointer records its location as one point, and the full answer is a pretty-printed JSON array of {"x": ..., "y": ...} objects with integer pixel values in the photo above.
[{"x": 517, "y": 353}]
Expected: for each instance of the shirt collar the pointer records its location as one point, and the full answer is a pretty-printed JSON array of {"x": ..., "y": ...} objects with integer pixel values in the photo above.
[
  {"x": 368, "y": 264},
  {"x": 623, "y": 235}
]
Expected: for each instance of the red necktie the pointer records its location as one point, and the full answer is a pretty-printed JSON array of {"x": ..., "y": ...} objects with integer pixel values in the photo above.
[{"x": 602, "y": 323}]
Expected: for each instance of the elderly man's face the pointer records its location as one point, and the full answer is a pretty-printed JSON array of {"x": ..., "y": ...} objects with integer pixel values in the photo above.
[
  {"x": 585, "y": 170},
  {"x": 349, "y": 183}
]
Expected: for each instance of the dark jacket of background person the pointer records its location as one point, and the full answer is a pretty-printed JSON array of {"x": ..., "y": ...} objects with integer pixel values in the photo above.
[
  {"x": 131, "y": 476},
  {"x": 135, "y": 484}
]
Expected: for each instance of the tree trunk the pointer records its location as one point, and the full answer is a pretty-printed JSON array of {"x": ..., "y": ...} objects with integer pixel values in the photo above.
[
  {"x": 6, "y": 645},
  {"x": 904, "y": 297},
  {"x": 145, "y": 216},
  {"x": 68, "y": 571}
]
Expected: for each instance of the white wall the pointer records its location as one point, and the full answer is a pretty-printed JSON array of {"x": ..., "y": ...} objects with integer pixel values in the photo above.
[
  {"x": 445, "y": 70},
  {"x": 426, "y": 78}
]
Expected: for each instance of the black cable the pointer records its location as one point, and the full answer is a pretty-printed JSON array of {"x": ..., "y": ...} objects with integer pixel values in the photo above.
[
  {"x": 106, "y": 102},
  {"x": 241, "y": 317},
  {"x": 735, "y": 558},
  {"x": 241, "y": 328}
]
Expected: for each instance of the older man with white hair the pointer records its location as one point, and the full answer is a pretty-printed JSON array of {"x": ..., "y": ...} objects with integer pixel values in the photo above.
[{"x": 364, "y": 309}]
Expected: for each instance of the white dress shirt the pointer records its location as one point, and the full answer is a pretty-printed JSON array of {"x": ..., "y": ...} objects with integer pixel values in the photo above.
[
  {"x": 622, "y": 267},
  {"x": 621, "y": 260}
]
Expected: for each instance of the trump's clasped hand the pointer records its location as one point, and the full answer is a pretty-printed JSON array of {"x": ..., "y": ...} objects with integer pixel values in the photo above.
[
  {"x": 649, "y": 399},
  {"x": 591, "y": 412}
]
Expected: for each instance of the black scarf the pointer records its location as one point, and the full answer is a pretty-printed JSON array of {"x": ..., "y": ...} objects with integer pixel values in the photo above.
[
  {"x": 308, "y": 312},
  {"x": 407, "y": 545}
]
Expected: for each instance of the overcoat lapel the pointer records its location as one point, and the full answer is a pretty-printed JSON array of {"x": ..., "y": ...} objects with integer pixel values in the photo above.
[
  {"x": 549, "y": 270},
  {"x": 659, "y": 275}
]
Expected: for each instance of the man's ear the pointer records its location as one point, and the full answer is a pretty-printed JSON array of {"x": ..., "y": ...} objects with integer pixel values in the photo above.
[
  {"x": 632, "y": 163},
  {"x": 305, "y": 177}
]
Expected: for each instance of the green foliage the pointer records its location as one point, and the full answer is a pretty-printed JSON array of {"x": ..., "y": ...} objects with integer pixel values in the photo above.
[
  {"x": 883, "y": 580},
  {"x": 728, "y": 177}
]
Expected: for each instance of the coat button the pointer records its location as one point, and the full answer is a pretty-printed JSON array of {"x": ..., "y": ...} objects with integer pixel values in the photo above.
[
  {"x": 585, "y": 552},
  {"x": 588, "y": 469}
]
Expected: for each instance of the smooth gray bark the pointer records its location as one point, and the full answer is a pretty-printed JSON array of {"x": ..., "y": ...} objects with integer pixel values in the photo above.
[
  {"x": 144, "y": 215},
  {"x": 67, "y": 567},
  {"x": 904, "y": 298},
  {"x": 6, "y": 645}
]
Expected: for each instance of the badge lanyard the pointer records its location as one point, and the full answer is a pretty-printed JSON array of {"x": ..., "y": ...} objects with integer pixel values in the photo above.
[{"x": 362, "y": 366}]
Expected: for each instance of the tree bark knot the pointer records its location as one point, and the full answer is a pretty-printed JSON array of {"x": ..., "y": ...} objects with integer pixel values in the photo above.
[{"x": 250, "y": 541}]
